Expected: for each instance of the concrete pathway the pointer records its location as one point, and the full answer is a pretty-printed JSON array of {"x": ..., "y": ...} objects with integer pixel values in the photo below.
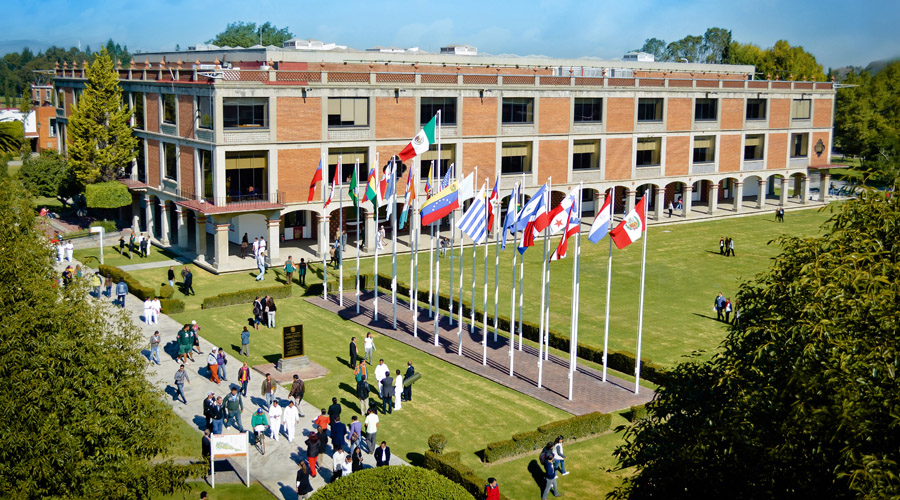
[{"x": 277, "y": 469}]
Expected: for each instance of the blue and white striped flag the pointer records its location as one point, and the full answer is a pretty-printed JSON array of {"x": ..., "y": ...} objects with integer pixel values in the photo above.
[{"x": 474, "y": 221}]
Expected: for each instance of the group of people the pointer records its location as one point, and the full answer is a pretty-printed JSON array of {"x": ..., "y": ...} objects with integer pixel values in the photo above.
[
  {"x": 290, "y": 267},
  {"x": 726, "y": 246},
  {"x": 64, "y": 250},
  {"x": 264, "y": 310},
  {"x": 152, "y": 307},
  {"x": 139, "y": 244},
  {"x": 779, "y": 214},
  {"x": 724, "y": 307},
  {"x": 337, "y": 248},
  {"x": 553, "y": 460},
  {"x": 188, "y": 341}
]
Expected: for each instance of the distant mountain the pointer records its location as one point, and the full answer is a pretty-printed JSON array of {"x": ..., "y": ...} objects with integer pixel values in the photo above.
[
  {"x": 7, "y": 46},
  {"x": 876, "y": 66}
]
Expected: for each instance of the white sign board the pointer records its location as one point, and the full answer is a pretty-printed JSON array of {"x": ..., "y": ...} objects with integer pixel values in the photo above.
[{"x": 229, "y": 445}]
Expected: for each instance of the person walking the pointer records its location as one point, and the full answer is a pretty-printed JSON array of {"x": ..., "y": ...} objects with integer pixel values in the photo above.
[
  {"x": 298, "y": 389},
  {"x": 261, "y": 265},
  {"x": 722, "y": 246},
  {"x": 312, "y": 453},
  {"x": 108, "y": 283},
  {"x": 245, "y": 342},
  {"x": 301, "y": 271},
  {"x": 234, "y": 405},
  {"x": 212, "y": 361},
  {"x": 347, "y": 465},
  {"x": 289, "y": 419},
  {"x": 244, "y": 378},
  {"x": 719, "y": 305},
  {"x": 289, "y": 269},
  {"x": 148, "y": 304},
  {"x": 181, "y": 378},
  {"x": 188, "y": 282},
  {"x": 410, "y": 371},
  {"x": 671, "y": 209},
  {"x": 170, "y": 275},
  {"x": 382, "y": 455},
  {"x": 270, "y": 311},
  {"x": 131, "y": 241},
  {"x": 559, "y": 458},
  {"x": 155, "y": 309},
  {"x": 268, "y": 390},
  {"x": 195, "y": 337},
  {"x": 220, "y": 358},
  {"x": 217, "y": 413},
  {"x": 303, "y": 486},
  {"x": 96, "y": 283},
  {"x": 549, "y": 477},
  {"x": 730, "y": 247},
  {"x": 369, "y": 345},
  {"x": 262, "y": 244},
  {"x": 207, "y": 404},
  {"x": 398, "y": 390},
  {"x": 381, "y": 371},
  {"x": 354, "y": 353},
  {"x": 727, "y": 310},
  {"x": 321, "y": 424},
  {"x": 70, "y": 250},
  {"x": 257, "y": 312},
  {"x": 338, "y": 432},
  {"x": 355, "y": 433},
  {"x": 255, "y": 248},
  {"x": 276, "y": 414},
  {"x": 154, "y": 347},
  {"x": 371, "y": 429},
  {"x": 387, "y": 394},
  {"x": 244, "y": 244},
  {"x": 334, "y": 410},
  {"x": 362, "y": 392},
  {"x": 338, "y": 457},
  {"x": 121, "y": 292},
  {"x": 357, "y": 458}
]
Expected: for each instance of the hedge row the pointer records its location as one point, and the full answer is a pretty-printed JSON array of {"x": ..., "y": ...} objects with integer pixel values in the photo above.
[
  {"x": 365, "y": 281},
  {"x": 449, "y": 466},
  {"x": 636, "y": 413},
  {"x": 621, "y": 361},
  {"x": 524, "y": 442},
  {"x": 396, "y": 482},
  {"x": 168, "y": 305},
  {"x": 245, "y": 296}
]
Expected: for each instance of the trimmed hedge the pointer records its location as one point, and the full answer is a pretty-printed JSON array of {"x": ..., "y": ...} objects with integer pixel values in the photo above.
[
  {"x": 245, "y": 296},
  {"x": 397, "y": 482},
  {"x": 81, "y": 233},
  {"x": 169, "y": 305},
  {"x": 110, "y": 194},
  {"x": 166, "y": 291},
  {"x": 621, "y": 361},
  {"x": 172, "y": 306},
  {"x": 365, "y": 282},
  {"x": 449, "y": 466},
  {"x": 636, "y": 413},
  {"x": 437, "y": 442},
  {"x": 108, "y": 226},
  {"x": 524, "y": 442}
]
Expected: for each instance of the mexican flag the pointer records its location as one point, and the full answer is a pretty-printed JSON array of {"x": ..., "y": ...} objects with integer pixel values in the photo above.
[{"x": 420, "y": 143}]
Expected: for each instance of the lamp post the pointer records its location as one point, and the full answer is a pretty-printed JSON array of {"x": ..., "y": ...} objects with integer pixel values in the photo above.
[{"x": 99, "y": 230}]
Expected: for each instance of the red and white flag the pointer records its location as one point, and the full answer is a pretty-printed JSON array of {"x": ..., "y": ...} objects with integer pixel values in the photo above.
[
  {"x": 312, "y": 184},
  {"x": 572, "y": 224},
  {"x": 632, "y": 226},
  {"x": 559, "y": 215},
  {"x": 335, "y": 183},
  {"x": 495, "y": 195}
]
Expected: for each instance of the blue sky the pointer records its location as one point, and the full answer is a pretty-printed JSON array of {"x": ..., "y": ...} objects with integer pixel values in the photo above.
[{"x": 836, "y": 32}]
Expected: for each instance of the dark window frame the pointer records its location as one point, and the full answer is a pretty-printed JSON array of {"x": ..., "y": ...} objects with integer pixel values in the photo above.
[
  {"x": 170, "y": 162},
  {"x": 588, "y": 110},
  {"x": 706, "y": 109},
  {"x": 516, "y": 165},
  {"x": 650, "y": 109},
  {"x": 587, "y": 161},
  {"x": 517, "y": 111},
  {"x": 247, "y": 113},
  {"x": 170, "y": 109},
  {"x": 641, "y": 160},
  {"x": 704, "y": 154},
  {"x": 448, "y": 108},
  {"x": 750, "y": 153},
  {"x": 756, "y": 109}
]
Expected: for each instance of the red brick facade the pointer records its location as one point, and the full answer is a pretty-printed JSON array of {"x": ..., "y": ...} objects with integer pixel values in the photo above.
[
  {"x": 729, "y": 153},
  {"x": 151, "y": 109},
  {"x": 186, "y": 167},
  {"x": 618, "y": 158},
  {"x": 299, "y": 119},
  {"x": 186, "y": 116},
  {"x": 779, "y": 113},
  {"x": 296, "y": 168},
  {"x": 479, "y": 116},
  {"x": 395, "y": 117},
  {"x": 678, "y": 155},
  {"x": 553, "y": 161},
  {"x": 822, "y": 114},
  {"x": 554, "y": 116},
  {"x": 620, "y": 114},
  {"x": 679, "y": 113},
  {"x": 776, "y": 156},
  {"x": 153, "y": 174},
  {"x": 732, "y": 114}
]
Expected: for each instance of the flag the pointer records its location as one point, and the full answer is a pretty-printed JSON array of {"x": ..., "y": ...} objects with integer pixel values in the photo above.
[
  {"x": 390, "y": 189},
  {"x": 420, "y": 143},
  {"x": 408, "y": 196},
  {"x": 312, "y": 184},
  {"x": 530, "y": 207},
  {"x": 473, "y": 222},
  {"x": 572, "y": 224},
  {"x": 558, "y": 216},
  {"x": 629, "y": 230},
  {"x": 600, "y": 227},
  {"x": 495, "y": 196},
  {"x": 447, "y": 177},
  {"x": 353, "y": 185},
  {"x": 511, "y": 209},
  {"x": 428, "y": 192},
  {"x": 334, "y": 183},
  {"x": 440, "y": 204},
  {"x": 467, "y": 188},
  {"x": 534, "y": 209}
]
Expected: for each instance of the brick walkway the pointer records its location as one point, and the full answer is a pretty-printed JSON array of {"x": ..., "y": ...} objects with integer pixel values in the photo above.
[{"x": 590, "y": 393}]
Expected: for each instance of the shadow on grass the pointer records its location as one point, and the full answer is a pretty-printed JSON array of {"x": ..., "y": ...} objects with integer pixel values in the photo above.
[
  {"x": 272, "y": 358},
  {"x": 352, "y": 405},
  {"x": 705, "y": 316},
  {"x": 538, "y": 474},
  {"x": 342, "y": 361},
  {"x": 416, "y": 459}
]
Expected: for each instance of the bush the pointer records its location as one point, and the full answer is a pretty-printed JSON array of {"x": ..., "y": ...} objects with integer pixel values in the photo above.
[
  {"x": 393, "y": 482},
  {"x": 134, "y": 287},
  {"x": 636, "y": 413},
  {"x": 107, "y": 225},
  {"x": 166, "y": 291},
  {"x": 571, "y": 428},
  {"x": 245, "y": 296},
  {"x": 112, "y": 194},
  {"x": 315, "y": 289},
  {"x": 172, "y": 306},
  {"x": 449, "y": 466},
  {"x": 81, "y": 233},
  {"x": 436, "y": 443}
]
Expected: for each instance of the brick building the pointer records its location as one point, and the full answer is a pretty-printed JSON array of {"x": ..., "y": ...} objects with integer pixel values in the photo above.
[{"x": 230, "y": 138}]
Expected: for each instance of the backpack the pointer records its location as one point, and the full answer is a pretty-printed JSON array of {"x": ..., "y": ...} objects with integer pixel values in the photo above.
[{"x": 546, "y": 455}]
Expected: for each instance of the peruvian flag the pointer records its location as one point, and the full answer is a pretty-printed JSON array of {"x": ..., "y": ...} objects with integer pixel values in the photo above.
[
  {"x": 572, "y": 224},
  {"x": 420, "y": 143},
  {"x": 312, "y": 185},
  {"x": 334, "y": 183},
  {"x": 632, "y": 226},
  {"x": 495, "y": 195}
]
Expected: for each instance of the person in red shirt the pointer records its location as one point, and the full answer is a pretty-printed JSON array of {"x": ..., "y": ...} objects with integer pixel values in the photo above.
[{"x": 492, "y": 490}]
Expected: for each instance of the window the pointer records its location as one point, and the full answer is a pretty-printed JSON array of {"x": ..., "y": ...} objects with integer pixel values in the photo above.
[
  {"x": 705, "y": 109},
  {"x": 348, "y": 158},
  {"x": 753, "y": 147},
  {"x": 168, "y": 108},
  {"x": 588, "y": 110},
  {"x": 448, "y": 156},
  {"x": 518, "y": 110},
  {"x": 348, "y": 112},
  {"x": 60, "y": 98},
  {"x": 430, "y": 106},
  {"x": 799, "y": 145},
  {"x": 800, "y": 109},
  {"x": 52, "y": 132},
  {"x": 586, "y": 155},
  {"x": 245, "y": 175},
  {"x": 205, "y": 160},
  {"x": 204, "y": 111},
  {"x": 241, "y": 112},
  {"x": 171, "y": 161},
  {"x": 650, "y": 110},
  {"x": 756, "y": 109},
  {"x": 140, "y": 161},
  {"x": 516, "y": 157},
  {"x": 137, "y": 100},
  {"x": 704, "y": 149},
  {"x": 648, "y": 151}
]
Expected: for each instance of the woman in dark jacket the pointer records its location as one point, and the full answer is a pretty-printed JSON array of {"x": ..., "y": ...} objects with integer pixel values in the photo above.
[
  {"x": 303, "y": 486},
  {"x": 257, "y": 312},
  {"x": 357, "y": 459},
  {"x": 312, "y": 453}
]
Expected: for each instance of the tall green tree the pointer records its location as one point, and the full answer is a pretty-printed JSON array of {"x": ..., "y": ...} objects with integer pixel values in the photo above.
[
  {"x": 79, "y": 418},
  {"x": 48, "y": 175},
  {"x": 689, "y": 47},
  {"x": 656, "y": 47},
  {"x": 781, "y": 62},
  {"x": 803, "y": 399},
  {"x": 241, "y": 34},
  {"x": 716, "y": 45},
  {"x": 12, "y": 136},
  {"x": 102, "y": 139}
]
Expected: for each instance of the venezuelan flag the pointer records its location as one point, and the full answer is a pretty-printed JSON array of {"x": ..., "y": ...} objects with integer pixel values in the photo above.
[{"x": 441, "y": 204}]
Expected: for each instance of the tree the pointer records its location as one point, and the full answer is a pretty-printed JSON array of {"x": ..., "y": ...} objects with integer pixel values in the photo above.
[
  {"x": 781, "y": 62},
  {"x": 656, "y": 47},
  {"x": 12, "y": 136},
  {"x": 802, "y": 400},
  {"x": 241, "y": 34},
  {"x": 43, "y": 175},
  {"x": 79, "y": 418},
  {"x": 102, "y": 139},
  {"x": 716, "y": 44},
  {"x": 689, "y": 47}
]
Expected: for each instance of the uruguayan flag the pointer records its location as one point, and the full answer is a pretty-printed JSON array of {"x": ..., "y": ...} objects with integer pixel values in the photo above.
[{"x": 474, "y": 221}]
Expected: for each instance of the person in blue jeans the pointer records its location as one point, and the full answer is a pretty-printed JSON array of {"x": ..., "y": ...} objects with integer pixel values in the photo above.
[
  {"x": 234, "y": 405},
  {"x": 559, "y": 459},
  {"x": 121, "y": 292},
  {"x": 550, "y": 478},
  {"x": 181, "y": 377},
  {"x": 217, "y": 414},
  {"x": 220, "y": 358},
  {"x": 154, "y": 347}
]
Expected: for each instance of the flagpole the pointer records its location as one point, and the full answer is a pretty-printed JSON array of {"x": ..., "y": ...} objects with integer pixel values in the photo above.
[
  {"x": 377, "y": 205},
  {"x": 437, "y": 265},
  {"x": 412, "y": 233},
  {"x": 521, "y": 271},
  {"x": 612, "y": 213},
  {"x": 431, "y": 250},
  {"x": 340, "y": 240},
  {"x": 513, "y": 205},
  {"x": 326, "y": 228},
  {"x": 497, "y": 261},
  {"x": 460, "y": 315},
  {"x": 543, "y": 293},
  {"x": 394, "y": 232},
  {"x": 484, "y": 328},
  {"x": 547, "y": 282},
  {"x": 474, "y": 255},
  {"x": 637, "y": 363},
  {"x": 573, "y": 336},
  {"x": 415, "y": 276},
  {"x": 356, "y": 197}
]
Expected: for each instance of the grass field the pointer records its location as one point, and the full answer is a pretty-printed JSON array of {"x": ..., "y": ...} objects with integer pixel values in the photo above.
[
  {"x": 221, "y": 492},
  {"x": 112, "y": 257}
]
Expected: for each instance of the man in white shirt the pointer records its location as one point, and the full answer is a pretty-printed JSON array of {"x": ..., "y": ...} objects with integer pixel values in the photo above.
[
  {"x": 290, "y": 418},
  {"x": 255, "y": 247},
  {"x": 371, "y": 430},
  {"x": 275, "y": 415},
  {"x": 148, "y": 306},
  {"x": 262, "y": 244},
  {"x": 381, "y": 371},
  {"x": 347, "y": 465},
  {"x": 155, "y": 308},
  {"x": 338, "y": 458},
  {"x": 70, "y": 248}
]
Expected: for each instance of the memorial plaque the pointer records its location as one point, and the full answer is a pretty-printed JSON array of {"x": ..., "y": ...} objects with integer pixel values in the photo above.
[{"x": 292, "y": 341}]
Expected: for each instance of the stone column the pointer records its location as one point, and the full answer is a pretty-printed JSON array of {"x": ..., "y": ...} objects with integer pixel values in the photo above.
[
  {"x": 274, "y": 243},
  {"x": 804, "y": 190},
  {"x": 181, "y": 227},
  {"x": 738, "y": 196},
  {"x": 686, "y": 200},
  {"x": 135, "y": 214},
  {"x": 163, "y": 223},
  {"x": 761, "y": 195},
  {"x": 824, "y": 184},
  {"x": 323, "y": 236},
  {"x": 785, "y": 185},
  {"x": 370, "y": 229},
  {"x": 713, "y": 198},
  {"x": 148, "y": 215},
  {"x": 660, "y": 202},
  {"x": 220, "y": 252},
  {"x": 629, "y": 203},
  {"x": 201, "y": 238}
]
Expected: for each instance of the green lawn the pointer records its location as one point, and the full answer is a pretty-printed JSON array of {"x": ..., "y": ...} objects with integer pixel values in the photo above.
[
  {"x": 112, "y": 257},
  {"x": 186, "y": 444},
  {"x": 222, "y": 492}
]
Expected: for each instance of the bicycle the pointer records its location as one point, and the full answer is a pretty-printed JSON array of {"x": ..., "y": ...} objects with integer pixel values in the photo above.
[{"x": 260, "y": 438}]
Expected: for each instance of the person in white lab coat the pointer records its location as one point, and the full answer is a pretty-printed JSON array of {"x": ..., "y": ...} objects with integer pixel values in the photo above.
[
  {"x": 290, "y": 417},
  {"x": 275, "y": 417}
]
